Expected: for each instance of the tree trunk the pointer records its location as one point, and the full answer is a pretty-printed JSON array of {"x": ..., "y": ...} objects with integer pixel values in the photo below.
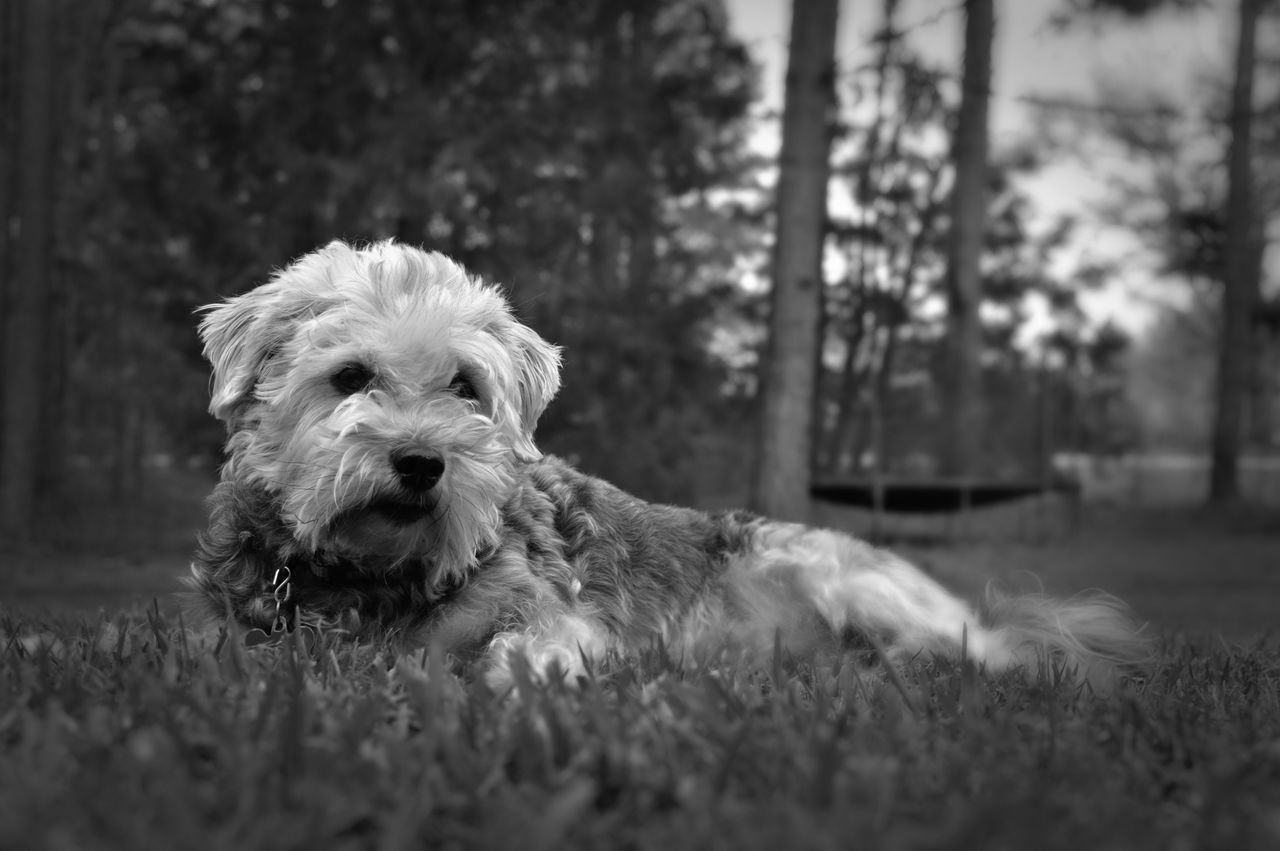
[
  {"x": 26, "y": 319},
  {"x": 848, "y": 383},
  {"x": 962, "y": 370},
  {"x": 10, "y": 46},
  {"x": 1241, "y": 274},
  {"x": 885, "y": 448},
  {"x": 789, "y": 374}
]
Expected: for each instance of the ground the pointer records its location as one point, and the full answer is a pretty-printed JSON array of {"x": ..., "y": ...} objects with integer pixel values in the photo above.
[
  {"x": 1204, "y": 573},
  {"x": 121, "y": 729}
]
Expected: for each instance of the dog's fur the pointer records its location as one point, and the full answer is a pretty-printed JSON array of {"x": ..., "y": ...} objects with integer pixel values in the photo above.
[{"x": 353, "y": 358}]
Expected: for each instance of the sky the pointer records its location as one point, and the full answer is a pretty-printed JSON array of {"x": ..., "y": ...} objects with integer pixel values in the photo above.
[{"x": 1168, "y": 53}]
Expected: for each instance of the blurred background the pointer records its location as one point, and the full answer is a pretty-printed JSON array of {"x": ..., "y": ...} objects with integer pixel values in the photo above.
[{"x": 1055, "y": 272}]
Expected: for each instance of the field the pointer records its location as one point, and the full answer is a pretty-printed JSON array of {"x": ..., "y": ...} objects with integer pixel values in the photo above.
[{"x": 121, "y": 729}]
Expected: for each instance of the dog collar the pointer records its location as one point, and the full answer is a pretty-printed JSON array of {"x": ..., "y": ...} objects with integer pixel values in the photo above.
[
  {"x": 282, "y": 593},
  {"x": 281, "y": 590}
]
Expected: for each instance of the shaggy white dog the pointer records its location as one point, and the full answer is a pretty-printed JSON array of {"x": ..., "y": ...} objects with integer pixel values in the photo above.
[{"x": 382, "y": 478}]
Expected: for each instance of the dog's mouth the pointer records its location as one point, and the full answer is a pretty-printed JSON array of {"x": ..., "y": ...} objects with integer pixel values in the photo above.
[{"x": 401, "y": 512}]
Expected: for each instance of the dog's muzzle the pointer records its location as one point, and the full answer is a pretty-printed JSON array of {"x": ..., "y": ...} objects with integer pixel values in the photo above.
[
  {"x": 417, "y": 471},
  {"x": 402, "y": 512}
]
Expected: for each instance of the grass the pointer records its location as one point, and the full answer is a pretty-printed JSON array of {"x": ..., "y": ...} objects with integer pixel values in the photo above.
[
  {"x": 123, "y": 729},
  {"x": 133, "y": 732}
]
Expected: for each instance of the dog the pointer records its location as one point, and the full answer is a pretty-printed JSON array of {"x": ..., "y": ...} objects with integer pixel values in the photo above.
[{"x": 381, "y": 478}]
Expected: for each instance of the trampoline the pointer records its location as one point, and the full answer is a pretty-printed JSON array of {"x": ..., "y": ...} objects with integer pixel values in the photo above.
[{"x": 930, "y": 496}]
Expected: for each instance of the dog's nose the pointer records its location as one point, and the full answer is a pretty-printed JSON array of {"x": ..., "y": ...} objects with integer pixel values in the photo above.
[{"x": 417, "y": 472}]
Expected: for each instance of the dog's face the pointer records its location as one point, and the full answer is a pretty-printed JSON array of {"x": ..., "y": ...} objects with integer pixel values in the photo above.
[{"x": 383, "y": 396}]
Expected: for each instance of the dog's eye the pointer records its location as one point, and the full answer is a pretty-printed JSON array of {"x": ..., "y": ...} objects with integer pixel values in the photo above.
[
  {"x": 352, "y": 378},
  {"x": 462, "y": 387}
]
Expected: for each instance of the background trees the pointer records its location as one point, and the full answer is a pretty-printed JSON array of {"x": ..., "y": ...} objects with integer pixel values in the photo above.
[
  {"x": 562, "y": 150},
  {"x": 28, "y": 402},
  {"x": 1212, "y": 193},
  {"x": 962, "y": 383},
  {"x": 1241, "y": 272},
  {"x": 598, "y": 159},
  {"x": 888, "y": 360},
  {"x": 790, "y": 366}
]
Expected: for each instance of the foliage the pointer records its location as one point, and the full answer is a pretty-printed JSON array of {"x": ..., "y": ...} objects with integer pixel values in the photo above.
[
  {"x": 1174, "y": 203},
  {"x": 1172, "y": 197},
  {"x": 881, "y": 400},
  {"x": 594, "y": 159},
  {"x": 568, "y": 152},
  {"x": 1171, "y": 379},
  {"x": 133, "y": 730},
  {"x": 1135, "y": 9}
]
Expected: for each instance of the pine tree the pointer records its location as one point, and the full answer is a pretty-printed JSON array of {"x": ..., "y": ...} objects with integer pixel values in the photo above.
[{"x": 789, "y": 376}]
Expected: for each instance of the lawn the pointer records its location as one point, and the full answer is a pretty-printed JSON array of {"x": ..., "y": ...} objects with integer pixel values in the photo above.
[{"x": 123, "y": 729}]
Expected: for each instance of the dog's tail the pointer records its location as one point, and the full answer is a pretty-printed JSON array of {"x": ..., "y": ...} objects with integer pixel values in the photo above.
[
  {"x": 870, "y": 592},
  {"x": 1091, "y": 635}
]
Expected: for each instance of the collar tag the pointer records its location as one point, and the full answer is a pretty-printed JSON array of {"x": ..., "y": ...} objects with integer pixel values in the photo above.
[{"x": 282, "y": 592}]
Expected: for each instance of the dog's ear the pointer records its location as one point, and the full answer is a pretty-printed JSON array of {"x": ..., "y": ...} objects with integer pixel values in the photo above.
[
  {"x": 537, "y": 367},
  {"x": 240, "y": 335}
]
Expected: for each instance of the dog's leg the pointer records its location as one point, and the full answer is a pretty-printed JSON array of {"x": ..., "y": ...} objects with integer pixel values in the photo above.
[
  {"x": 855, "y": 586},
  {"x": 561, "y": 640}
]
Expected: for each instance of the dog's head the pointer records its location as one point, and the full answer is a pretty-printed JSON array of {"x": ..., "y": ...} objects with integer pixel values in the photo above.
[{"x": 383, "y": 396}]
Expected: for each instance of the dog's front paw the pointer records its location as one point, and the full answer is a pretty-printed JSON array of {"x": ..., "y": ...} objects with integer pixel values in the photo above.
[{"x": 557, "y": 654}]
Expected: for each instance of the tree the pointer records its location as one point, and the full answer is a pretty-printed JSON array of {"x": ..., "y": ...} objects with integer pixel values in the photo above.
[
  {"x": 892, "y": 172},
  {"x": 575, "y": 154},
  {"x": 1213, "y": 236},
  {"x": 883, "y": 344},
  {"x": 781, "y": 486},
  {"x": 27, "y": 396},
  {"x": 1170, "y": 377},
  {"x": 962, "y": 382},
  {"x": 1241, "y": 274}
]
